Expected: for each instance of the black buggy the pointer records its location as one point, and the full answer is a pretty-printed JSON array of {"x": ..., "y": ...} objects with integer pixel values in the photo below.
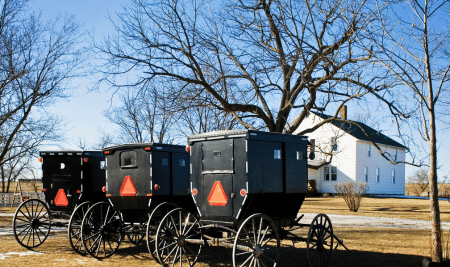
[
  {"x": 71, "y": 182},
  {"x": 248, "y": 187},
  {"x": 143, "y": 183}
]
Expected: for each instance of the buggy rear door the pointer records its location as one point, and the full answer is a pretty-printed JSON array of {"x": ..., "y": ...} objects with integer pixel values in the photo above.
[
  {"x": 64, "y": 174},
  {"x": 217, "y": 172}
]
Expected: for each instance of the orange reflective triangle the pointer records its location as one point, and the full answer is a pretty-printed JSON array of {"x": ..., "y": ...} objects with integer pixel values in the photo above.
[
  {"x": 128, "y": 189},
  {"x": 217, "y": 196},
  {"x": 61, "y": 198}
]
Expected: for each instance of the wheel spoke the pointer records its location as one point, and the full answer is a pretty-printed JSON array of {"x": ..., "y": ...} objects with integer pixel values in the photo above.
[{"x": 186, "y": 256}]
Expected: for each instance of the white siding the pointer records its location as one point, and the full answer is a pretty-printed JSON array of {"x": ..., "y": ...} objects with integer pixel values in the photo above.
[
  {"x": 385, "y": 186},
  {"x": 351, "y": 159}
]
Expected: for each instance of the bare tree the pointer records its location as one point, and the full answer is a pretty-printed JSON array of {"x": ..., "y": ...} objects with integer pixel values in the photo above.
[
  {"x": 36, "y": 61},
  {"x": 262, "y": 62},
  {"x": 414, "y": 48},
  {"x": 145, "y": 116},
  {"x": 352, "y": 193},
  {"x": 419, "y": 180}
]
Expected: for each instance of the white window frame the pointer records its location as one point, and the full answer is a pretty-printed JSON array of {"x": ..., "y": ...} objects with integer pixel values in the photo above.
[
  {"x": 326, "y": 173},
  {"x": 369, "y": 150},
  {"x": 377, "y": 175},
  {"x": 395, "y": 155},
  {"x": 333, "y": 173},
  {"x": 366, "y": 174},
  {"x": 393, "y": 176},
  {"x": 330, "y": 173}
]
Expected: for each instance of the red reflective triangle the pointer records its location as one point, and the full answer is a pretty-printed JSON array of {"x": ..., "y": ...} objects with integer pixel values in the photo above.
[
  {"x": 217, "y": 196},
  {"x": 61, "y": 198},
  {"x": 128, "y": 189}
]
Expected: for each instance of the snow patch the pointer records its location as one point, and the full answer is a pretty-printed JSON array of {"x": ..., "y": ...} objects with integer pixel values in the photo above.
[{"x": 9, "y": 254}]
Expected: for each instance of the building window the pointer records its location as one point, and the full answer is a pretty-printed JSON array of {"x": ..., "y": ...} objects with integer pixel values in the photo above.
[
  {"x": 333, "y": 173},
  {"x": 395, "y": 155},
  {"x": 366, "y": 174},
  {"x": 393, "y": 176},
  {"x": 326, "y": 173},
  {"x": 334, "y": 145},
  {"x": 330, "y": 173},
  {"x": 369, "y": 148},
  {"x": 377, "y": 175}
]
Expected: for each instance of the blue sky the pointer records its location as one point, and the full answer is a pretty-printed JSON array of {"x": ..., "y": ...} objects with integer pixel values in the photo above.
[{"x": 84, "y": 110}]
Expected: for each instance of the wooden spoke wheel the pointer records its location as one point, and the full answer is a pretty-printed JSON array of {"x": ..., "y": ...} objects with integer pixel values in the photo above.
[
  {"x": 176, "y": 239},
  {"x": 320, "y": 241},
  {"x": 31, "y": 223},
  {"x": 155, "y": 218},
  {"x": 74, "y": 230},
  {"x": 135, "y": 233},
  {"x": 101, "y": 230},
  {"x": 257, "y": 242}
]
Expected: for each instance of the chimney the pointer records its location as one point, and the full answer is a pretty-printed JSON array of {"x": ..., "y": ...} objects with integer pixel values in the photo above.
[{"x": 343, "y": 112}]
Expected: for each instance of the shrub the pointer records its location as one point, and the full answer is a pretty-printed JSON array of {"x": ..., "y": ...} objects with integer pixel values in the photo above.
[{"x": 352, "y": 193}]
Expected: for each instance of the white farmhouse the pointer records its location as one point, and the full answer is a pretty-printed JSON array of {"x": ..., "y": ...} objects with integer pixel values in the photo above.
[{"x": 355, "y": 158}]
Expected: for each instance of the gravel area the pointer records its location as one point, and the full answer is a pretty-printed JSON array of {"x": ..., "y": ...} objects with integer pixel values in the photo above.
[{"x": 374, "y": 222}]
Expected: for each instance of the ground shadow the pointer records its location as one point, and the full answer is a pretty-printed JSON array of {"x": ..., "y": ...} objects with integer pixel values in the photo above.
[{"x": 292, "y": 256}]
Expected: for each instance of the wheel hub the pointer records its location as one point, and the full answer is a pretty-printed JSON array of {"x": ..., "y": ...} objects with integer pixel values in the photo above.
[
  {"x": 258, "y": 251},
  {"x": 102, "y": 229},
  {"x": 35, "y": 223},
  {"x": 181, "y": 241}
]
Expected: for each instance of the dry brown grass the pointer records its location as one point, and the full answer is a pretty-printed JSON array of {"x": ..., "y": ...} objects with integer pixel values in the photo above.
[
  {"x": 26, "y": 186},
  {"x": 369, "y": 246},
  {"x": 415, "y": 209}
]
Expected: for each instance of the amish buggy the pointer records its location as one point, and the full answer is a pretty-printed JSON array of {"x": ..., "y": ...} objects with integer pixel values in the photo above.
[
  {"x": 248, "y": 187},
  {"x": 72, "y": 181},
  {"x": 143, "y": 183}
]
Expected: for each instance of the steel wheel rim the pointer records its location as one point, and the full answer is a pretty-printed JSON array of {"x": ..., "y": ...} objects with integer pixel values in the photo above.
[
  {"x": 172, "y": 246},
  {"x": 31, "y": 223},
  {"x": 135, "y": 234},
  {"x": 154, "y": 219},
  {"x": 257, "y": 242},
  {"x": 101, "y": 230},
  {"x": 320, "y": 241},
  {"x": 74, "y": 230}
]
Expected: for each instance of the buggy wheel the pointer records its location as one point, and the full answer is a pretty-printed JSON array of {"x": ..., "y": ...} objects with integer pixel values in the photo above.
[
  {"x": 101, "y": 230},
  {"x": 173, "y": 237},
  {"x": 31, "y": 223},
  {"x": 135, "y": 233},
  {"x": 320, "y": 241},
  {"x": 74, "y": 229},
  {"x": 257, "y": 242},
  {"x": 155, "y": 218}
]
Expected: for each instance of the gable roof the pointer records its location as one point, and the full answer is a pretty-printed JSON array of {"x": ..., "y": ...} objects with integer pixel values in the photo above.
[{"x": 358, "y": 133}]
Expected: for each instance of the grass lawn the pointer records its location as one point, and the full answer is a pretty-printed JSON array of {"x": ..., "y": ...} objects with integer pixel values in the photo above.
[{"x": 368, "y": 246}]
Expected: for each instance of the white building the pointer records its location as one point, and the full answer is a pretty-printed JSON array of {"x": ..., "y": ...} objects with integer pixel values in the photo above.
[{"x": 355, "y": 158}]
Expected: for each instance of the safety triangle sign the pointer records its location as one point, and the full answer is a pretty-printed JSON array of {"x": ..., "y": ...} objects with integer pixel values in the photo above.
[
  {"x": 128, "y": 189},
  {"x": 217, "y": 196},
  {"x": 61, "y": 198}
]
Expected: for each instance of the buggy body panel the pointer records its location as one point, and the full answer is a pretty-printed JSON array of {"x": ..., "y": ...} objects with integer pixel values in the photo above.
[
  {"x": 77, "y": 176},
  {"x": 159, "y": 173},
  {"x": 259, "y": 172}
]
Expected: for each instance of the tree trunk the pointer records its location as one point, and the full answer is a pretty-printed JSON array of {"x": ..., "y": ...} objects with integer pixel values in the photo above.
[{"x": 436, "y": 240}]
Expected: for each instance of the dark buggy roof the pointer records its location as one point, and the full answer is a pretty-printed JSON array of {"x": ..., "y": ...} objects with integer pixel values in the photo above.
[
  {"x": 247, "y": 134},
  {"x": 68, "y": 152},
  {"x": 154, "y": 146}
]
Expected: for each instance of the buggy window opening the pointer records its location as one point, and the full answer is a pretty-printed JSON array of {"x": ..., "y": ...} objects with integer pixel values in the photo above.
[{"x": 128, "y": 159}]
